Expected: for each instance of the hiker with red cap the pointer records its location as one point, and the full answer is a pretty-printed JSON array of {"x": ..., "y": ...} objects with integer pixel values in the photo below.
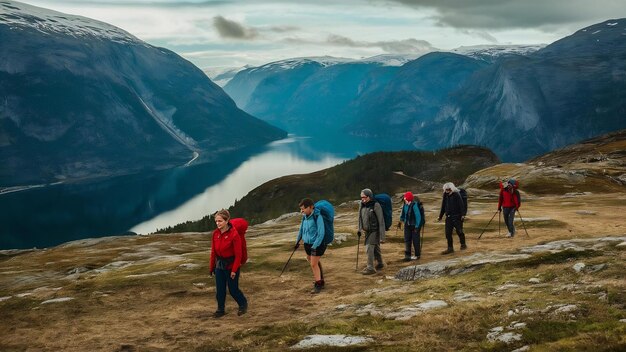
[{"x": 412, "y": 224}]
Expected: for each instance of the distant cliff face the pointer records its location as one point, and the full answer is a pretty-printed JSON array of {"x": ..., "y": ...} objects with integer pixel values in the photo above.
[
  {"x": 81, "y": 98},
  {"x": 524, "y": 106},
  {"x": 518, "y": 101}
]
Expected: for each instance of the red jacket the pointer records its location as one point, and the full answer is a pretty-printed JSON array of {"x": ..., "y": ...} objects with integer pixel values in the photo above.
[
  {"x": 509, "y": 199},
  {"x": 226, "y": 245}
]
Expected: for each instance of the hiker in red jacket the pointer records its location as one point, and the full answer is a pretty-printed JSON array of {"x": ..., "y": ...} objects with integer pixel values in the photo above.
[
  {"x": 509, "y": 200},
  {"x": 226, "y": 254}
]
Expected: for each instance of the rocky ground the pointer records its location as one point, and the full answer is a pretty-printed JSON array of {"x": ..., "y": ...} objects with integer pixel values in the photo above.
[{"x": 560, "y": 287}]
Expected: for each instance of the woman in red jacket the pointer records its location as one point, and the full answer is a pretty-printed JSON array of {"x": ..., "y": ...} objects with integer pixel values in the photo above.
[{"x": 226, "y": 254}]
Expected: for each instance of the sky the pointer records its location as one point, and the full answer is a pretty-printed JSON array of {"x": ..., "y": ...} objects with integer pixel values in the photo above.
[{"x": 217, "y": 34}]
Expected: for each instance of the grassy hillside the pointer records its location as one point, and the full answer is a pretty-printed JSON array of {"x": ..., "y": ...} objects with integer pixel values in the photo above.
[{"x": 383, "y": 172}]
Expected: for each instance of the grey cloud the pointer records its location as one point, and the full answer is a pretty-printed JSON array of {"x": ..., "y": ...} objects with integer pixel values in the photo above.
[
  {"x": 284, "y": 29},
  {"x": 393, "y": 47},
  {"x": 481, "y": 34},
  {"x": 500, "y": 14},
  {"x": 231, "y": 29}
]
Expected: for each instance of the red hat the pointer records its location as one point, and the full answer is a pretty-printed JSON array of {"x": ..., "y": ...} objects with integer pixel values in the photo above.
[{"x": 408, "y": 196}]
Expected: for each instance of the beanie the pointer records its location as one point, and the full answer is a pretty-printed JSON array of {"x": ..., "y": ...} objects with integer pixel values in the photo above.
[{"x": 408, "y": 196}]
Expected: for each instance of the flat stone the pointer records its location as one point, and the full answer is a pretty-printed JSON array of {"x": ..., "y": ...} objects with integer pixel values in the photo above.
[
  {"x": 5, "y": 298},
  {"x": 566, "y": 309},
  {"x": 331, "y": 340},
  {"x": 534, "y": 280},
  {"x": 58, "y": 300}
]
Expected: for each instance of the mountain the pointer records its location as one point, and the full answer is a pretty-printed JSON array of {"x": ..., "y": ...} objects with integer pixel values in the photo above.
[
  {"x": 523, "y": 106},
  {"x": 81, "y": 98},
  {"x": 289, "y": 93},
  {"x": 412, "y": 97},
  {"x": 491, "y": 53},
  {"x": 221, "y": 76},
  {"x": 520, "y": 101}
]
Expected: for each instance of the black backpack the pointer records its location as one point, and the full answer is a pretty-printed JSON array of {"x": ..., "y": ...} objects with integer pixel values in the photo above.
[{"x": 463, "y": 194}]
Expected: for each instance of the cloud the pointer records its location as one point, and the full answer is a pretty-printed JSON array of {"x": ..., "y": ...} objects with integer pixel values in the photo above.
[
  {"x": 231, "y": 29},
  {"x": 504, "y": 14},
  {"x": 405, "y": 46}
]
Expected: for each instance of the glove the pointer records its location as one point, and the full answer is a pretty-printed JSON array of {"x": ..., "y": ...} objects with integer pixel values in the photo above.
[
  {"x": 358, "y": 233},
  {"x": 296, "y": 246},
  {"x": 499, "y": 208},
  {"x": 399, "y": 224}
]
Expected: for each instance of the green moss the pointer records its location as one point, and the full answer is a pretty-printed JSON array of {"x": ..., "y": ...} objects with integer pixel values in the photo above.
[{"x": 554, "y": 258}]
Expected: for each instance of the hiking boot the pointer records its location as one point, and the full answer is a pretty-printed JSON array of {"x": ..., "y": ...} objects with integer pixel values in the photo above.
[
  {"x": 463, "y": 246},
  {"x": 448, "y": 251},
  {"x": 406, "y": 259},
  {"x": 380, "y": 266},
  {"x": 415, "y": 257},
  {"x": 242, "y": 310},
  {"x": 219, "y": 314},
  {"x": 368, "y": 271},
  {"x": 316, "y": 289}
]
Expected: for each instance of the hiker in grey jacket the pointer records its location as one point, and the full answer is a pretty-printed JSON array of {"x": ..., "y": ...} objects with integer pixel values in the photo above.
[{"x": 372, "y": 225}]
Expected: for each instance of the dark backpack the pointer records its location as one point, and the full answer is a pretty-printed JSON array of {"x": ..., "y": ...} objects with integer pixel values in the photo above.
[
  {"x": 385, "y": 202},
  {"x": 241, "y": 225},
  {"x": 464, "y": 197},
  {"x": 328, "y": 214}
]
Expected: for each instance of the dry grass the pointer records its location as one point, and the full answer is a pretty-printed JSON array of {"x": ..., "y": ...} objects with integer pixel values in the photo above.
[{"x": 129, "y": 309}]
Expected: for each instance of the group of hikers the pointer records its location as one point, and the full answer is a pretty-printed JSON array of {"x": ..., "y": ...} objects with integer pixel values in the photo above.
[{"x": 228, "y": 249}]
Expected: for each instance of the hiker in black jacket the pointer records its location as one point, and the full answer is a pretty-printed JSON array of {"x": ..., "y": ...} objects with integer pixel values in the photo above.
[{"x": 453, "y": 206}]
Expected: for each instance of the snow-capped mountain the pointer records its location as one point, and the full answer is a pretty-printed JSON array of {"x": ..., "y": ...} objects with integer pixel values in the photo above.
[
  {"x": 493, "y": 52},
  {"x": 222, "y": 75},
  {"x": 80, "y": 98}
]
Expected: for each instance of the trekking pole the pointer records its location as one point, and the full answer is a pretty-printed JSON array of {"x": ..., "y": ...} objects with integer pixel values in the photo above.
[
  {"x": 499, "y": 217},
  {"x": 284, "y": 267},
  {"x": 521, "y": 218},
  {"x": 358, "y": 243},
  {"x": 494, "y": 215}
]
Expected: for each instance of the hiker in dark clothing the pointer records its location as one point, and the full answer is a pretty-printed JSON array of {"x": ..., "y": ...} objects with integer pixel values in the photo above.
[
  {"x": 509, "y": 201},
  {"x": 453, "y": 206},
  {"x": 412, "y": 220},
  {"x": 312, "y": 233},
  {"x": 372, "y": 225},
  {"x": 226, "y": 255}
]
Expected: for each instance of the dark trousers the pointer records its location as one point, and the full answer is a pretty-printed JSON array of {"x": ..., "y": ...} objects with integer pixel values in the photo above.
[
  {"x": 454, "y": 222},
  {"x": 411, "y": 236},
  {"x": 509, "y": 217},
  {"x": 222, "y": 280}
]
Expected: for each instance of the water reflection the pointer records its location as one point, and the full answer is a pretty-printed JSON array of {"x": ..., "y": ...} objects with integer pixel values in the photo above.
[{"x": 142, "y": 203}]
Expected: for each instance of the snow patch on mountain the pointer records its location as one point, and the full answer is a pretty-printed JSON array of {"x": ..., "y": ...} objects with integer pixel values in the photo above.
[
  {"x": 494, "y": 51},
  {"x": 19, "y": 15}
]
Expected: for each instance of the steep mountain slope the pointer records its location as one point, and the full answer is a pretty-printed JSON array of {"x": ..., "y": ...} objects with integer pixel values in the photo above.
[
  {"x": 81, "y": 98},
  {"x": 528, "y": 105},
  {"x": 412, "y": 97}
]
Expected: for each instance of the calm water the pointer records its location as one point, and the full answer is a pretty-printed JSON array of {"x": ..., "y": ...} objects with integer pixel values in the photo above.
[{"x": 44, "y": 217}]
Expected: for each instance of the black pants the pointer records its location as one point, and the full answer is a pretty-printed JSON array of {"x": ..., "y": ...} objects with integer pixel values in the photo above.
[
  {"x": 223, "y": 280},
  {"x": 411, "y": 237},
  {"x": 454, "y": 221}
]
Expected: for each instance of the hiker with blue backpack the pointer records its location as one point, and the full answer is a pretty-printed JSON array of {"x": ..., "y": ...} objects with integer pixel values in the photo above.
[
  {"x": 313, "y": 232},
  {"x": 372, "y": 225},
  {"x": 455, "y": 209},
  {"x": 412, "y": 218}
]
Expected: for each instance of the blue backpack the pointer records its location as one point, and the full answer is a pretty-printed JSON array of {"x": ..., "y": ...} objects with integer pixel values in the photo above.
[
  {"x": 385, "y": 202},
  {"x": 328, "y": 214}
]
